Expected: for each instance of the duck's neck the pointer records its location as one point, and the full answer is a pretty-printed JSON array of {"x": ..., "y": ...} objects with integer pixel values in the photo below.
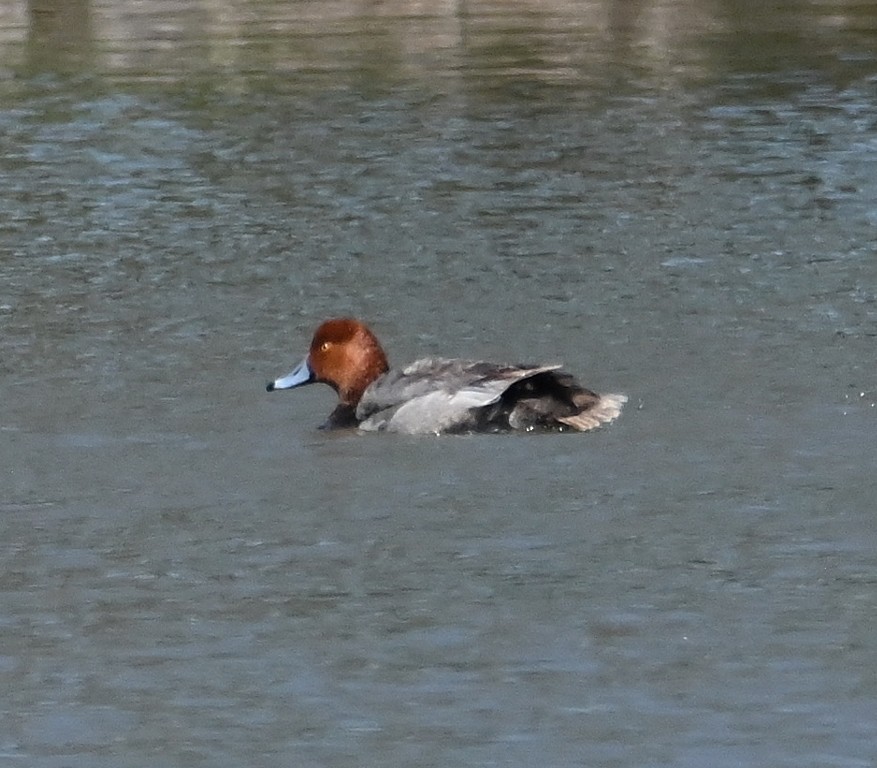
[{"x": 369, "y": 362}]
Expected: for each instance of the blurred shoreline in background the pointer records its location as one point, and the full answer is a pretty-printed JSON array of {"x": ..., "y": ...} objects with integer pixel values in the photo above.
[{"x": 167, "y": 39}]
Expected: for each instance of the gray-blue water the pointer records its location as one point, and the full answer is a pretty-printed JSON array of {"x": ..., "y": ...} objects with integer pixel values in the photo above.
[{"x": 676, "y": 199}]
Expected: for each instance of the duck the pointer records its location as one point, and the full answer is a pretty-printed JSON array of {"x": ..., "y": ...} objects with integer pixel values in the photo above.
[{"x": 441, "y": 395}]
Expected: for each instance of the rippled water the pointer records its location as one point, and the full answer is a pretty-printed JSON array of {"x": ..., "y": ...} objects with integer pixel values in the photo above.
[{"x": 675, "y": 199}]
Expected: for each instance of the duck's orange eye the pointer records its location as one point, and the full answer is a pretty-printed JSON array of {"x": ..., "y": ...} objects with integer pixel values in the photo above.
[{"x": 324, "y": 347}]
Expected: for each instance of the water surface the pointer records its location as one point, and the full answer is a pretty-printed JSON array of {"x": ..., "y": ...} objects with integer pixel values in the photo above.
[{"x": 675, "y": 199}]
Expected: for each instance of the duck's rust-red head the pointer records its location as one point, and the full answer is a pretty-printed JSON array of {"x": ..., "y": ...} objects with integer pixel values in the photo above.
[{"x": 344, "y": 354}]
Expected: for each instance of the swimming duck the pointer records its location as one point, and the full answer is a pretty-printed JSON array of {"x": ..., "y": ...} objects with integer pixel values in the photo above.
[{"x": 437, "y": 395}]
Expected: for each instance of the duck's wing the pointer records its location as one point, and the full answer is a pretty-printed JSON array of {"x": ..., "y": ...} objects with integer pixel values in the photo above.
[{"x": 437, "y": 394}]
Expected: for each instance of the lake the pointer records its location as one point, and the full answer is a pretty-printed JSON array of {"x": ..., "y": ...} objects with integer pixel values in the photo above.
[{"x": 675, "y": 199}]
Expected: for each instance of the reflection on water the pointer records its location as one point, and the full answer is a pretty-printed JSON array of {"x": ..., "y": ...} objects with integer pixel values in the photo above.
[
  {"x": 61, "y": 36},
  {"x": 249, "y": 42},
  {"x": 673, "y": 198}
]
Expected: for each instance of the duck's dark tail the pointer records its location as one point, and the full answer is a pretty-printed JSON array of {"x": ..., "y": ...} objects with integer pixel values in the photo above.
[{"x": 605, "y": 409}]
